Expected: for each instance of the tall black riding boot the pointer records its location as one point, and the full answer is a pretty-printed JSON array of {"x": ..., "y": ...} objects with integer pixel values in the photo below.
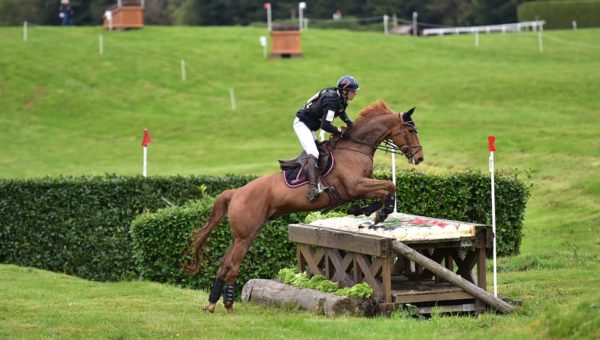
[{"x": 312, "y": 171}]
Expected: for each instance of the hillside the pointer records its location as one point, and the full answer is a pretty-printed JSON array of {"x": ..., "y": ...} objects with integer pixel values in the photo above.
[{"x": 66, "y": 110}]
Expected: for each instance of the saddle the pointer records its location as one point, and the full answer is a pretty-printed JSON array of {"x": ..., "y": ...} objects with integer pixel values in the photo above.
[{"x": 293, "y": 170}]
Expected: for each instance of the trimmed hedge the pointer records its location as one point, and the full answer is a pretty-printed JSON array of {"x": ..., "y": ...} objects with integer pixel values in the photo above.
[
  {"x": 160, "y": 242},
  {"x": 80, "y": 225},
  {"x": 560, "y": 14}
]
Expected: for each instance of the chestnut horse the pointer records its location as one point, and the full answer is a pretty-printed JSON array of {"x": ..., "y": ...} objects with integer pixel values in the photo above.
[{"x": 249, "y": 207}]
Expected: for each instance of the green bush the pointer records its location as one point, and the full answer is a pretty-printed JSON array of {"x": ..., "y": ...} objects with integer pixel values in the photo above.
[
  {"x": 560, "y": 14},
  {"x": 160, "y": 245},
  {"x": 80, "y": 225}
]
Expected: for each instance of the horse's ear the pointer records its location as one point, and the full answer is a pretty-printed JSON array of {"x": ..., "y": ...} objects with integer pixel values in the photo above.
[{"x": 406, "y": 115}]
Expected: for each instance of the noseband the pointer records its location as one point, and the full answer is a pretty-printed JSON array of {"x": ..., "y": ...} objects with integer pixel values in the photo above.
[{"x": 407, "y": 150}]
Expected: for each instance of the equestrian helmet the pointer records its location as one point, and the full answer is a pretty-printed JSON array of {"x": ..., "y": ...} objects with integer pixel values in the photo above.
[{"x": 348, "y": 82}]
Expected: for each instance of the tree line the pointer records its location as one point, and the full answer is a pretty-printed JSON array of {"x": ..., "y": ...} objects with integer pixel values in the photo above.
[{"x": 246, "y": 12}]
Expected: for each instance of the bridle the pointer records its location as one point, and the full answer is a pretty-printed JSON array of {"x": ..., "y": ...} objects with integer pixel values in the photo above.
[{"x": 408, "y": 150}]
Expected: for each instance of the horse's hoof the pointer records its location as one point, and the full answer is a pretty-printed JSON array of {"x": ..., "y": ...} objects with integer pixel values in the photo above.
[
  {"x": 366, "y": 224},
  {"x": 210, "y": 308},
  {"x": 230, "y": 310}
]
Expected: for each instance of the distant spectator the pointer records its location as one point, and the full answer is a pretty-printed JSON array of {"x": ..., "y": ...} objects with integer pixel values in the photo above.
[
  {"x": 337, "y": 15},
  {"x": 65, "y": 12}
]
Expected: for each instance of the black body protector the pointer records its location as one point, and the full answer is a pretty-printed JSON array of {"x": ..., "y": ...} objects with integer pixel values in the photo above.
[{"x": 316, "y": 112}]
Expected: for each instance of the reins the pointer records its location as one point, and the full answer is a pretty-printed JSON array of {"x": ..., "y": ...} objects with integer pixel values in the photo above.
[{"x": 388, "y": 145}]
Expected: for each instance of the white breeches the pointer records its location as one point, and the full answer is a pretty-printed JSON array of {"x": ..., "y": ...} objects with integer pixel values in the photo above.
[{"x": 306, "y": 137}]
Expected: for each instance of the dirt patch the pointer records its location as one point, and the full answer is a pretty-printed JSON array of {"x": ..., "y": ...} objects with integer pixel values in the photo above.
[{"x": 32, "y": 100}]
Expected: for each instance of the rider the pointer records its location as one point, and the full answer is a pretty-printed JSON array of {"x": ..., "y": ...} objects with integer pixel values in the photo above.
[{"x": 318, "y": 113}]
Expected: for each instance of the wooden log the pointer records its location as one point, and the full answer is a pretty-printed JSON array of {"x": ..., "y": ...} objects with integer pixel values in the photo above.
[
  {"x": 276, "y": 293},
  {"x": 451, "y": 277}
]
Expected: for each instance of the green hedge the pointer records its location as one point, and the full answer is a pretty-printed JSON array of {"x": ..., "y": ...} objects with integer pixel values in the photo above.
[
  {"x": 160, "y": 242},
  {"x": 560, "y": 14},
  {"x": 80, "y": 225}
]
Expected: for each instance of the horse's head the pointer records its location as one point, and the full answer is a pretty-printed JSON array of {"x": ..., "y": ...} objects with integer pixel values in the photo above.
[
  {"x": 404, "y": 136},
  {"x": 378, "y": 123}
]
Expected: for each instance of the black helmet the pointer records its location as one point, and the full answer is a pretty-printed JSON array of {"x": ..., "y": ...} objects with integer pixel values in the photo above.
[{"x": 348, "y": 82}]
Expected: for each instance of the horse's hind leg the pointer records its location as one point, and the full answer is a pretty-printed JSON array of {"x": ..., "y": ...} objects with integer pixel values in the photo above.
[
  {"x": 231, "y": 268},
  {"x": 217, "y": 288}
]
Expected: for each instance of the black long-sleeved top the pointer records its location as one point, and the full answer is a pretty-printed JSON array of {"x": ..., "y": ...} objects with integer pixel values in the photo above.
[{"x": 314, "y": 113}]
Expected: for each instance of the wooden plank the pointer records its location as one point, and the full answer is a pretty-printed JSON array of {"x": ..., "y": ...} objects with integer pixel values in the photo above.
[
  {"x": 386, "y": 276},
  {"x": 430, "y": 297},
  {"x": 465, "y": 307},
  {"x": 312, "y": 266},
  {"x": 324, "y": 237},
  {"x": 470, "y": 288}
]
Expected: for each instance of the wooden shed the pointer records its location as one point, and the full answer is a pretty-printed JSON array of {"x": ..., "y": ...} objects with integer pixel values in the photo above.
[{"x": 125, "y": 14}]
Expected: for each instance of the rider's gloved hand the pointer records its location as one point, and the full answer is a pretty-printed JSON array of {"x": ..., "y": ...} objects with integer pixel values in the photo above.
[{"x": 346, "y": 134}]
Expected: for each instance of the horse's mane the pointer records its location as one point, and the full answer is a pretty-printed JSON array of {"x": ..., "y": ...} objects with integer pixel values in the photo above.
[{"x": 376, "y": 109}]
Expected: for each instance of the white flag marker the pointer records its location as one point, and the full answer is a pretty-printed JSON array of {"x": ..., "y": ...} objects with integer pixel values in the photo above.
[
  {"x": 492, "y": 148},
  {"x": 145, "y": 141}
]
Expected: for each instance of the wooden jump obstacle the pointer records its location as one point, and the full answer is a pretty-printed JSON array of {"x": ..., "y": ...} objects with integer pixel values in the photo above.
[
  {"x": 407, "y": 272},
  {"x": 285, "y": 41},
  {"x": 125, "y": 15}
]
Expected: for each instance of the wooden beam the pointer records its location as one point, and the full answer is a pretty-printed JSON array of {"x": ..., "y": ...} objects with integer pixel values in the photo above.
[
  {"x": 337, "y": 239},
  {"x": 439, "y": 270}
]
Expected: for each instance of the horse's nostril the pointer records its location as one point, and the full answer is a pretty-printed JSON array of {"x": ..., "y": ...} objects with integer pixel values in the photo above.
[{"x": 420, "y": 159}]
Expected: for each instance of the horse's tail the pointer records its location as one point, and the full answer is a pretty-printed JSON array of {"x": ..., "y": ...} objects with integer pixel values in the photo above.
[{"x": 199, "y": 236}]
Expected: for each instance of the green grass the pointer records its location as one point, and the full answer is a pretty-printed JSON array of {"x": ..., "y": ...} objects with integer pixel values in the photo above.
[
  {"x": 64, "y": 109},
  {"x": 38, "y": 304}
]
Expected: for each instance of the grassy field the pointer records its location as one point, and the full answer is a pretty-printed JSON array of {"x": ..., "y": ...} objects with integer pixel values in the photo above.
[{"x": 64, "y": 109}]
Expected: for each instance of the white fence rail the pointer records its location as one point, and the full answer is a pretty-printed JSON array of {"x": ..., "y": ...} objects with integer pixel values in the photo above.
[{"x": 514, "y": 27}]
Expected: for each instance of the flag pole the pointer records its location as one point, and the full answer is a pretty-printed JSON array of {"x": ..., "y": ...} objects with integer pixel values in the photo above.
[
  {"x": 492, "y": 148},
  {"x": 145, "y": 141},
  {"x": 394, "y": 177}
]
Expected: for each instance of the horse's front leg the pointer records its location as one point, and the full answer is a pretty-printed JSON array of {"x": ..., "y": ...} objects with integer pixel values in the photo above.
[{"x": 367, "y": 188}]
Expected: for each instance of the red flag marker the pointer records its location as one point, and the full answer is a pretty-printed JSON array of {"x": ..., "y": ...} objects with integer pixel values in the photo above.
[
  {"x": 491, "y": 140},
  {"x": 267, "y": 5},
  {"x": 147, "y": 139}
]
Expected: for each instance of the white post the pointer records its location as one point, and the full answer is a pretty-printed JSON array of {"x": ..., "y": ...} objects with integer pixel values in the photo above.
[
  {"x": 476, "y": 38},
  {"x": 394, "y": 176},
  {"x": 263, "y": 43},
  {"x": 394, "y": 20},
  {"x": 101, "y": 44},
  {"x": 25, "y": 35},
  {"x": 385, "y": 24},
  {"x": 267, "y": 6},
  {"x": 492, "y": 148},
  {"x": 232, "y": 97},
  {"x": 183, "y": 75},
  {"x": 301, "y": 7},
  {"x": 119, "y": 3},
  {"x": 145, "y": 170},
  {"x": 574, "y": 23},
  {"x": 143, "y": 4},
  {"x": 145, "y": 141},
  {"x": 540, "y": 41},
  {"x": 414, "y": 23}
]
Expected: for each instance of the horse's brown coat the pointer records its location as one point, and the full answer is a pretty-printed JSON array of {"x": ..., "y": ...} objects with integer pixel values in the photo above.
[{"x": 249, "y": 207}]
